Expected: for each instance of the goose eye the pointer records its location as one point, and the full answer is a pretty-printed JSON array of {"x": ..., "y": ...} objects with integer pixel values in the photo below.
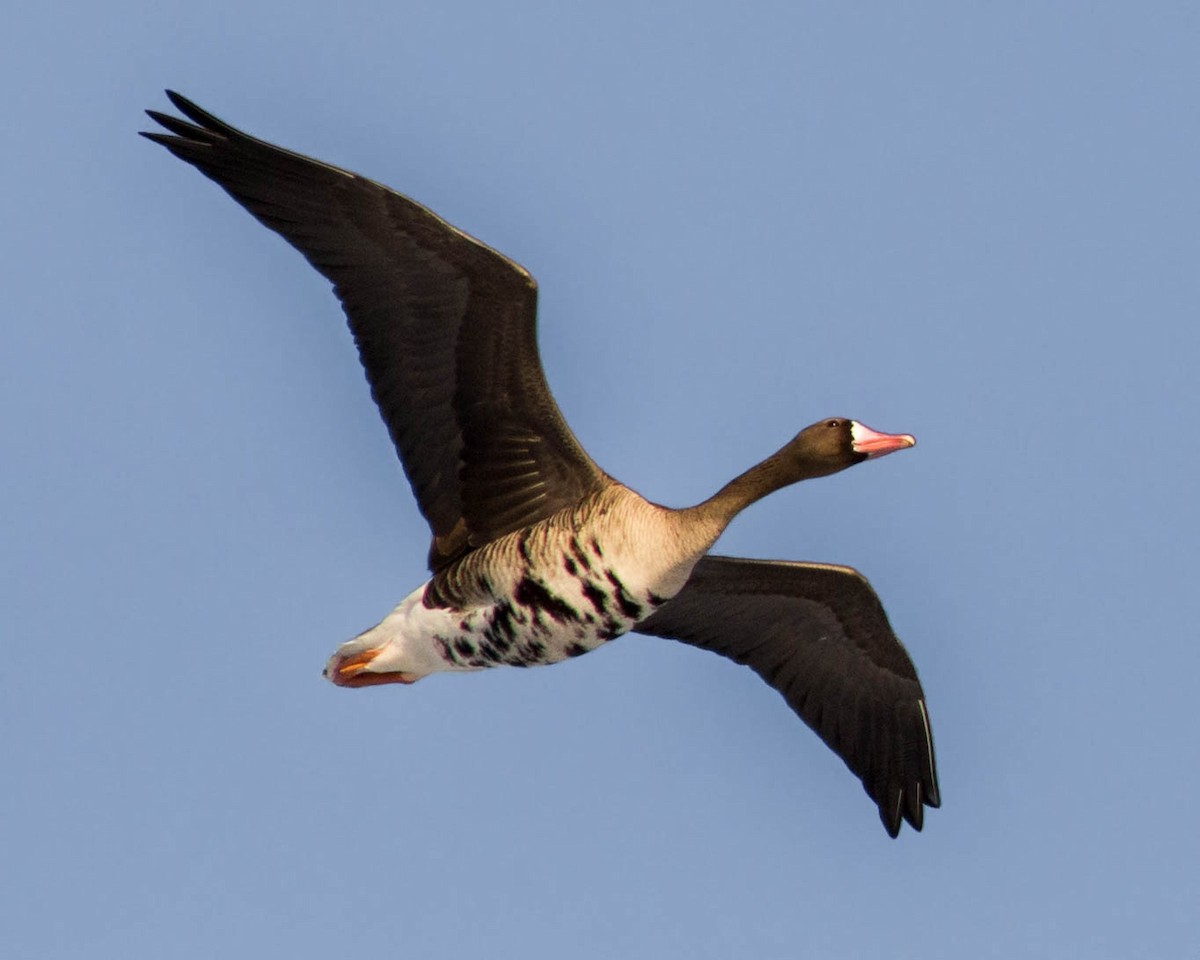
[{"x": 833, "y": 423}]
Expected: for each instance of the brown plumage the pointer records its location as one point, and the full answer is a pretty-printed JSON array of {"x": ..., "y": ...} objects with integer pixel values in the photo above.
[{"x": 536, "y": 553}]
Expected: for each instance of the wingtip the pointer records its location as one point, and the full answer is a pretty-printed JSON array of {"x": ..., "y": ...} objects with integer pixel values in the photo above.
[
  {"x": 934, "y": 797},
  {"x": 180, "y": 101},
  {"x": 198, "y": 115},
  {"x": 907, "y": 806},
  {"x": 157, "y": 117}
]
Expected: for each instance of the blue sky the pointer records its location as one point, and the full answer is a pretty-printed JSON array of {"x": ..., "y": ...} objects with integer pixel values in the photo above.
[{"x": 975, "y": 223}]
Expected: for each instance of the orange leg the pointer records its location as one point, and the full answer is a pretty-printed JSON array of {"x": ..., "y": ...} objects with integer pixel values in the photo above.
[{"x": 351, "y": 671}]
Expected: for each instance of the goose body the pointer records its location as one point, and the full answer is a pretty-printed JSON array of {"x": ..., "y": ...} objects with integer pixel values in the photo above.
[
  {"x": 538, "y": 555},
  {"x": 546, "y": 593}
]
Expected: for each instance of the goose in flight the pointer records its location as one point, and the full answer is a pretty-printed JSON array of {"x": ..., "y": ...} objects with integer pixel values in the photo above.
[{"x": 537, "y": 554}]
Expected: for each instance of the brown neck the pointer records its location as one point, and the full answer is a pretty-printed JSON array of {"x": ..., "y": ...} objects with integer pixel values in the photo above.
[{"x": 776, "y": 472}]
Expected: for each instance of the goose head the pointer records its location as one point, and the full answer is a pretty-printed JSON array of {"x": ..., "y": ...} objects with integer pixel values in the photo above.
[{"x": 833, "y": 444}]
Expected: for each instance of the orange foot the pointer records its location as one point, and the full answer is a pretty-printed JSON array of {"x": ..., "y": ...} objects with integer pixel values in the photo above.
[{"x": 351, "y": 670}]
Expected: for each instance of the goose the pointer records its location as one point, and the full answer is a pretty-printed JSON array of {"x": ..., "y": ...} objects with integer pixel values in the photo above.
[{"x": 538, "y": 555}]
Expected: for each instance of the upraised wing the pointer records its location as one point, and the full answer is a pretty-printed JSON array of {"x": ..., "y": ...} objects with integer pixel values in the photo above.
[{"x": 445, "y": 328}]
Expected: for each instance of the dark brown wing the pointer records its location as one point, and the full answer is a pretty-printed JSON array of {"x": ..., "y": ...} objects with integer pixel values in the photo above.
[
  {"x": 445, "y": 328},
  {"x": 818, "y": 635}
]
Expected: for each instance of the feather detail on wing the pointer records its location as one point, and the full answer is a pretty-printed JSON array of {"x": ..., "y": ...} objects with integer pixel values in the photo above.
[
  {"x": 445, "y": 327},
  {"x": 819, "y": 635}
]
